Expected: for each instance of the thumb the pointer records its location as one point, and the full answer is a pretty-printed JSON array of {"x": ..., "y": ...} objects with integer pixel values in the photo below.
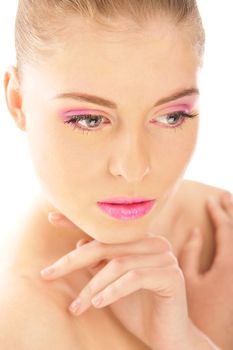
[
  {"x": 59, "y": 220},
  {"x": 190, "y": 254},
  {"x": 82, "y": 242}
]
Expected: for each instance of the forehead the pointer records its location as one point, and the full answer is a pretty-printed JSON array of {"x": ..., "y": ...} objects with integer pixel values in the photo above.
[
  {"x": 124, "y": 56},
  {"x": 156, "y": 44}
]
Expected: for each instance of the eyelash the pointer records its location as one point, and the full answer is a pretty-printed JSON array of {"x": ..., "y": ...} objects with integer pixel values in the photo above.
[{"x": 76, "y": 118}]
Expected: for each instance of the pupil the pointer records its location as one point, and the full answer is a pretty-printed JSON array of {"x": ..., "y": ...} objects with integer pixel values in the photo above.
[
  {"x": 174, "y": 118},
  {"x": 93, "y": 120}
]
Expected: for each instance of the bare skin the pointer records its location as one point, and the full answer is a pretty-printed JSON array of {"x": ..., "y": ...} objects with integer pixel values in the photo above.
[
  {"x": 210, "y": 290},
  {"x": 53, "y": 298},
  {"x": 216, "y": 317},
  {"x": 141, "y": 149}
]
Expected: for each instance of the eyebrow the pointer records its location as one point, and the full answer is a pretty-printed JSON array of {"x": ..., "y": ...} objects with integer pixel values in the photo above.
[{"x": 110, "y": 104}]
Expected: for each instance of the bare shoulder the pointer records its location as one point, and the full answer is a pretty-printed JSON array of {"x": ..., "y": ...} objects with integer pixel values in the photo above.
[
  {"x": 28, "y": 321},
  {"x": 193, "y": 196},
  {"x": 200, "y": 190}
]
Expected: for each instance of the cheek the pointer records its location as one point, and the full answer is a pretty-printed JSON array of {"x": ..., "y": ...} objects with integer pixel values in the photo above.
[
  {"x": 173, "y": 152},
  {"x": 65, "y": 163},
  {"x": 181, "y": 152}
]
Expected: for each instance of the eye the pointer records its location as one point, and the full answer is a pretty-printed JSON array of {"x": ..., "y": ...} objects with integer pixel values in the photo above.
[
  {"x": 89, "y": 123},
  {"x": 85, "y": 122},
  {"x": 176, "y": 118}
]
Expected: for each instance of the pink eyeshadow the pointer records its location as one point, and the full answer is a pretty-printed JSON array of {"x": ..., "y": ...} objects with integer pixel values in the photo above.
[
  {"x": 67, "y": 113},
  {"x": 179, "y": 107},
  {"x": 187, "y": 103}
]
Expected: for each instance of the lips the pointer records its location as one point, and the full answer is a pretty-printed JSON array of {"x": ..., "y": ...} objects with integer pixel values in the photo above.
[
  {"x": 124, "y": 200},
  {"x": 127, "y": 211}
]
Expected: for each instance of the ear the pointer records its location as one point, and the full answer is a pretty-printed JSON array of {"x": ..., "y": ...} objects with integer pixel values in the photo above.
[{"x": 13, "y": 96}]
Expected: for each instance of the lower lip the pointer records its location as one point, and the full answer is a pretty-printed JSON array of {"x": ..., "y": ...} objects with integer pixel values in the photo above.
[{"x": 127, "y": 211}]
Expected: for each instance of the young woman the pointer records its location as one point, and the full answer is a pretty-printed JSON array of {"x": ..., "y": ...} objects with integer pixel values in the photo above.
[{"x": 107, "y": 92}]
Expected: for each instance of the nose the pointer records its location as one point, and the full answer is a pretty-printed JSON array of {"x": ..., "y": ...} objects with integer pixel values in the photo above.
[{"x": 129, "y": 159}]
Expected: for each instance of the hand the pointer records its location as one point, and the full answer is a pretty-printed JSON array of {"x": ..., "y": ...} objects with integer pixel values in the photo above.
[
  {"x": 209, "y": 294},
  {"x": 148, "y": 269},
  {"x": 156, "y": 312}
]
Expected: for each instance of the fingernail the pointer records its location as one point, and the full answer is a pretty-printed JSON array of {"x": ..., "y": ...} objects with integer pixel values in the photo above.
[
  {"x": 47, "y": 271},
  {"x": 230, "y": 196},
  {"x": 74, "y": 307},
  {"x": 55, "y": 216}
]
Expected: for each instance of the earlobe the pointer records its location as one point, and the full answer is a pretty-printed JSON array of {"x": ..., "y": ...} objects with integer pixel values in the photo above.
[{"x": 13, "y": 97}]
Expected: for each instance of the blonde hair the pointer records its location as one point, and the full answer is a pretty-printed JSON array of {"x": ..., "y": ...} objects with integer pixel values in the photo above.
[{"x": 40, "y": 24}]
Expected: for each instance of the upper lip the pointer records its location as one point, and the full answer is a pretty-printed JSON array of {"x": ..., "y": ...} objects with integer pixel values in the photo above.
[{"x": 126, "y": 200}]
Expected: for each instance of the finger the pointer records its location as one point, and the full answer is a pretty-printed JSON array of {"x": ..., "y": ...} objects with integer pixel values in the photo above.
[
  {"x": 223, "y": 234},
  {"x": 165, "y": 282},
  {"x": 151, "y": 278},
  {"x": 93, "y": 269},
  {"x": 217, "y": 213},
  {"x": 82, "y": 242},
  {"x": 227, "y": 203},
  {"x": 95, "y": 251},
  {"x": 59, "y": 220},
  {"x": 190, "y": 254},
  {"x": 118, "y": 267}
]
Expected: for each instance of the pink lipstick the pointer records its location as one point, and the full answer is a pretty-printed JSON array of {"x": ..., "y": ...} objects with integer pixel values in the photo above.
[{"x": 126, "y": 208}]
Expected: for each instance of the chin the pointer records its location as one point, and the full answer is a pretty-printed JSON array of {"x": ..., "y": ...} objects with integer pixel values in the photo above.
[{"x": 118, "y": 240}]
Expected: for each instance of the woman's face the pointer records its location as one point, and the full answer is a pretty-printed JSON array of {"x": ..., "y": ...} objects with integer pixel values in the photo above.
[{"x": 137, "y": 147}]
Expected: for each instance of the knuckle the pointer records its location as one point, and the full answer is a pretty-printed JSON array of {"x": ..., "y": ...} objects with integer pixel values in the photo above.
[
  {"x": 98, "y": 245},
  {"x": 89, "y": 290},
  {"x": 174, "y": 280},
  {"x": 117, "y": 263},
  {"x": 171, "y": 258},
  {"x": 164, "y": 243},
  {"x": 176, "y": 273},
  {"x": 100, "y": 249},
  {"x": 134, "y": 274}
]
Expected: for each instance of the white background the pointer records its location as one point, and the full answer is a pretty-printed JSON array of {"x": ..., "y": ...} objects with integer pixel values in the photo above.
[{"x": 212, "y": 162}]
